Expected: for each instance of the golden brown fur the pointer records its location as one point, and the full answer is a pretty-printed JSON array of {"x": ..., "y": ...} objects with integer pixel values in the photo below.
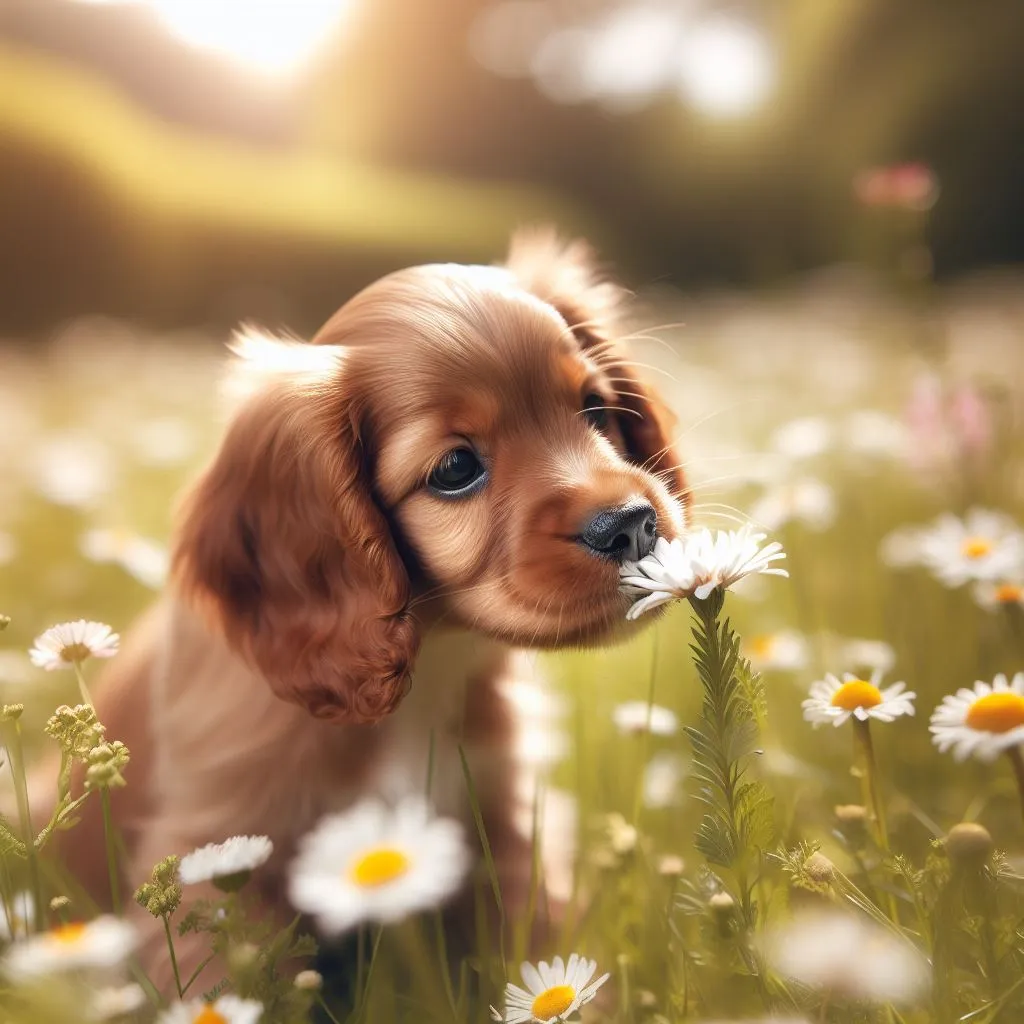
[{"x": 330, "y": 618}]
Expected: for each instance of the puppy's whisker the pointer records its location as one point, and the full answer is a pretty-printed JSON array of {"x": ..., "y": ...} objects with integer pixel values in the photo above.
[
  {"x": 640, "y": 336},
  {"x": 727, "y": 517},
  {"x": 719, "y": 505},
  {"x": 623, "y": 393},
  {"x": 611, "y": 408},
  {"x": 647, "y": 366}
]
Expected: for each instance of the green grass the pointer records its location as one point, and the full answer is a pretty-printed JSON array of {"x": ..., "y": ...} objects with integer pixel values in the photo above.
[{"x": 740, "y": 368}]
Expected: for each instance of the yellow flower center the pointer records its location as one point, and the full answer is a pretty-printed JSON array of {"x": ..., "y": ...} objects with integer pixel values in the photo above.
[
  {"x": 379, "y": 867},
  {"x": 976, "y": 547},
  {"x": 998, "y": 712},
  {"x": 762, "y": 645},
  {"x": 208, "y": 1015},
  {"x": 75, "y": 652},
  {"x": 553, "y": 1001},
  {"x": 856, "y": 693},
  {"x": 68, "y": 934},
  {"x": 1009, "y": 593}
]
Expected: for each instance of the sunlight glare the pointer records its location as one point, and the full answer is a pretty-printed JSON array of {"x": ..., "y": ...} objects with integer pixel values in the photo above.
[
  {"x": 727, "y": 67},
  {"x": 273, "y": 36}
]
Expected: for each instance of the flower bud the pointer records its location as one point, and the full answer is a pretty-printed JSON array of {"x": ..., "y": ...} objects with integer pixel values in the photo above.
[
  {"x": 11, "y": 712},
  {"x": 105, "y": 763},
  {"x": 243, "y": 956},
  {"x": 969, "y": 844},
  {"x": 309, "y": 981},
  {"x": 621, "y": 835},
  {"x": 851, "y": 814},
  {"x": 819, "y": 868},
  {"x": 670, "y": 864},
  {"x": 721, "y": 903},
  {"x": 162, "y": 893}
]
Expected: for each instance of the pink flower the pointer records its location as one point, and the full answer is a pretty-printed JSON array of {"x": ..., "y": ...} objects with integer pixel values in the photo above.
[
  {"x": 946, "y": 429},
  {"x": 911, "y": 186}
]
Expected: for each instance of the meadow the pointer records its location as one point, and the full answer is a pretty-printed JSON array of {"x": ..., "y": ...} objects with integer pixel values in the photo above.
[{"x": 733, "y": 862}]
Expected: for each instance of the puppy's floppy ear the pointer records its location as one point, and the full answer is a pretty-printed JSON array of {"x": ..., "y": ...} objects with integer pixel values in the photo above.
[
  {"x": 282, "y": 537},
  {"x": 567, "y": 276}
]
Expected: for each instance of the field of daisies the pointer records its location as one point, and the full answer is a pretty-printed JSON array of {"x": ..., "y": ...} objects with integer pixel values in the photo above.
[{"x": 793, "y": 798}]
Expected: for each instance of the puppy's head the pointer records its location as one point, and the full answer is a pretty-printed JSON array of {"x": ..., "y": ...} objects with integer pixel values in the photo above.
[{"x": 464, "y": 443}]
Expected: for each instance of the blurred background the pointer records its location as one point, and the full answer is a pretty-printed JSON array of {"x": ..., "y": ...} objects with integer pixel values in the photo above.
[
  {"x": 194, "y": 162},
  {"x": 818, "y": 203}
]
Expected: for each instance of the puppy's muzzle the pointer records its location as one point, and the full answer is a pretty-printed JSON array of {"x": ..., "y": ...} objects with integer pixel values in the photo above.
[{"x": 625, "y": 533}]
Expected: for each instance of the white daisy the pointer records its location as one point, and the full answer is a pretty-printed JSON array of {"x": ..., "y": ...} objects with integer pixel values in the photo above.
[
  {"x": 696, "y": 565},
  {"x": 637, "y": 716},
  {"x": 103, "y": 942},
  {"x": 16, "y": 917},
  {"x": 140, "y": 557},
  {"x": 72, "y": 469},
  {"x": 871, "y": 432},
  {"x": 61, "y": 646},
  {"x": 105, "y": 1003},
  {"x": 223, "y": 1010},
  {"x": 991, "y": 595},
  {"x": 553, "y": 992},
  {"x": 982, "y": 722},
  {"x": 225, "y": 864},
  {"x": 848, "y": 956},
  {"x": 785, "y": 651},
  {"x": 377, "y": 863},
  {"x": 870, "y": 655},
  {"x": 984, "y": 545},
  {"x": 901, "y": 548},
  {"x": 662, "y": 779},
  {"x": 833, "y": 702},
  {"x": 803, "y": 500},
  {"x": 164, "y": 441},
  {"x": 802, "y": 438}
]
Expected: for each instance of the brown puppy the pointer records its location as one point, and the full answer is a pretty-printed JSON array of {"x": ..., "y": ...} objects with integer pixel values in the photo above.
[{"x": 452, "y": 470}]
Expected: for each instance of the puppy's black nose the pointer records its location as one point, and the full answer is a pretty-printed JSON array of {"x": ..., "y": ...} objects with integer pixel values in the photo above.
[{"x": 623, "y": 533}]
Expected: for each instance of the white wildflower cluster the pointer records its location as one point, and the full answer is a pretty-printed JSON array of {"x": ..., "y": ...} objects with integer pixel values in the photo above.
[
  {"x": 985, "y": 548},
  {"x": 983, "y": 721},
  {"x": 104, "y": 942},
  {"x": 848, "y": 957},
  {"x": 554, "y": 992},
  {"x": 697, "y": 564},
  {"x": 64, "y": 645},
  {"x": 377, "y": 863},
  {"x": 235, "y": 858},
  {"x": 834, "y": 701}
]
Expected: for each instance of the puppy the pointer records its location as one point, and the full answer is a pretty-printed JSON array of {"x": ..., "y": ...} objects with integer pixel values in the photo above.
[{"x": 452, "y": 470}]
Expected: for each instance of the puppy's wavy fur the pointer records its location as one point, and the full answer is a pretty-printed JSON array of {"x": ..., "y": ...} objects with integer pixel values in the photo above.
[{"x": 331, "y": 621}]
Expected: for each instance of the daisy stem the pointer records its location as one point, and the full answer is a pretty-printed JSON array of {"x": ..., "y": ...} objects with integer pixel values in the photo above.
[
  {"x": 869, "y": 780},
  {"x": 872, "y": 797},
  {"x": 17, "y": 755},
  {"x": 1017, "y": 761},
  {"x": 111, "y": 840},
  {"x": 322, "y": 1003},
  {"x": 174, "y": 956},
  {"x": 82, "y": 688},
  {"x": 364, "y": 995}
]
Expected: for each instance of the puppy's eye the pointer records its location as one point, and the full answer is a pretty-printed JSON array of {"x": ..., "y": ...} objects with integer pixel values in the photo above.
[
  {"x": 457, "y": 472},
  {"x": 596, "y": 411}
]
